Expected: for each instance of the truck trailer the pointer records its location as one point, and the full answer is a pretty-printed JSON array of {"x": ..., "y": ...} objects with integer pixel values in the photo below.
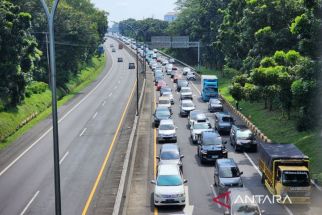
[
  {"x": 209, "y": 84},
  {"x": 285, "y": 172}
]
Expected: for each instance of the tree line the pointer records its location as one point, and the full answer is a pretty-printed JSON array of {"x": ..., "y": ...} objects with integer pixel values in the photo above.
[
  {"x": 271, "y": 48},
  {"x": 79, "y": 29}
]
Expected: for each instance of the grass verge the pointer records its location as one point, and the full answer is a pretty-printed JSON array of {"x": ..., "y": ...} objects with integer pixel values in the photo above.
[
  {"x": 41, "y": 102},
  {"x": 277, "y": 127}
]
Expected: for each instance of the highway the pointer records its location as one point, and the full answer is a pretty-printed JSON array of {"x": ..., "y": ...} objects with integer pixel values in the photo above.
[
  {"x": 87, "y": 130},
  {"x": 200, "y": 177}
]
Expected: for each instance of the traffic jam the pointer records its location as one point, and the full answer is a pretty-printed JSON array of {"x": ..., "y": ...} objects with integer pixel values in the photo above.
[{"x": 282, "y": 167}]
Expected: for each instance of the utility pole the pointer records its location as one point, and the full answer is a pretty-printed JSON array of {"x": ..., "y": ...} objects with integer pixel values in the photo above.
[{"x": 50, "y": 19}]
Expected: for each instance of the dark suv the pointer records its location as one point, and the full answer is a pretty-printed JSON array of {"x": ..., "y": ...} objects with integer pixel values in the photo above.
[
  {"x": 223, "y": 122},
  {"x": 242, "y": 138},
  {"x": 211, "y": 147}
]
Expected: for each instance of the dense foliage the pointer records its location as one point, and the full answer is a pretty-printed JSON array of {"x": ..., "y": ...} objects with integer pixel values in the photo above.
[{"x": 79, "y": 29}]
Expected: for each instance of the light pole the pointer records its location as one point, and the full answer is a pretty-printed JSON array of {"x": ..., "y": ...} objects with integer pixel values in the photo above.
[{"x": 50, "y": 19}]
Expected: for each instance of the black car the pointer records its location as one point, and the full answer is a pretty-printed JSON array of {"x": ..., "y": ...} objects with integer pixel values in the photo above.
[
  {"x": 215, "y": 105},
  {"x": 242, "y": 138},
  {"x": 159, "y": 114},
  {"x": 182, "y": 83},
  {"x": 211, "y": 147},
  {"x": 223, "y": 122},
  {"x": 119, "y": 59}
]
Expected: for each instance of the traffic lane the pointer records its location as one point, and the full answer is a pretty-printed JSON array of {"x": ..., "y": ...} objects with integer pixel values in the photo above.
[
  {"x": 87, "y": 153},
  {"x": 25, "y": 176},
  {"x": 251, "y": 176}
]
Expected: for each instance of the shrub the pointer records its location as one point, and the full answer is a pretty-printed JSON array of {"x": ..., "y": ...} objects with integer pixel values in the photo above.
[{"x": 36, "y": 87}]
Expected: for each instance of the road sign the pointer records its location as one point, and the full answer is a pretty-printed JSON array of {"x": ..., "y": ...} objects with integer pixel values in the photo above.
[
  {"x": 160, "y": 42},
  {"x": 180, "y": 42}
]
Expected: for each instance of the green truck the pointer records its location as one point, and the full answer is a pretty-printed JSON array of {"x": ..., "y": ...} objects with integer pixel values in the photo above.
[{"x": 285, "y": 172}]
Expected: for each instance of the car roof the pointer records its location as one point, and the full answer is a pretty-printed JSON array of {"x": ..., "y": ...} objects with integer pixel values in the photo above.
[
  {"x": 201, "y": 116},
  {"x": 163, "y": 98},
  {"x": 184, "y": 88},
  {"x": 196, "y": 112},
  {"x": 166, "y": 121},
  {"x": 169, "y": 147},
  {"x": 186, "y": 101},
  {"x": 226, "y": 162},
  {"x": 207, "y": 134},
  {"x": 168, "y": 169}
]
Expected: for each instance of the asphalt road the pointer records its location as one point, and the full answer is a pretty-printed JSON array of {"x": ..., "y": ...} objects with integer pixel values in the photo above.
[
  {"x": 200, "y": 177},
  {"x": 86, "y": 132}
]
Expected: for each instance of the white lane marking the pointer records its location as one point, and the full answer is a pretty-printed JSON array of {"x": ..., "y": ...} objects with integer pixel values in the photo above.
[
  {"x": 61, "y": 119},
  {"x": 194, "y": 86},
  {"x": 317, "y": 186},
  {"x": 103, "y": 103},
  {"x": 83, "y": 132},
  {"x": 188, "y": 209},
  {"x": 29, "y": 203},
  {"x": 63, "y": 158},
  {"x": 288, "y": 210},
  {"x": 214, "y": 193},
  {"x": 109, "y": 95},
  {"x": 253, "y": 164},
  {"x": 94, "y": 116}
]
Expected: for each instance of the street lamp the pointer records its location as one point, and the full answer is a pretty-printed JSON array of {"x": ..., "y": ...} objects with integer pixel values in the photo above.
[{"x": 50, "y": 19}]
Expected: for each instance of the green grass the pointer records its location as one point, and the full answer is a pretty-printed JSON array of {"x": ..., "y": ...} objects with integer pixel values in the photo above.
[
  {"x": 277, "y": 127},
  {"x": 40, "y": 103}
]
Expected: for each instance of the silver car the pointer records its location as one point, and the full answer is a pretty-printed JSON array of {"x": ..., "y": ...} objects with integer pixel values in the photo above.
[
  {"x": 185, "y": 93},
  {"x": 197, "y": 128},
  {"x": 170, "y": 154},
  {"x": 185, "y": 107},
  {"x": 167, "y": 131}
]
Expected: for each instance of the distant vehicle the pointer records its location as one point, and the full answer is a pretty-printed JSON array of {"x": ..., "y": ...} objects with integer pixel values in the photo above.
[
  {"x": 131, "y": 66},
  {"x": 165, "y": 89},
  {"x": 196, "y": 116},
  {"x": 165, "y": 102},
  {"x": 182, "y": 83},
  {"x": 173, "y": 73},
  {"x": 113, "y": 50},
  {"x": 237, "y": 205},
  {"x": 119, "y": 59},
  {"x": 191, "y": 76},
  {"x": 171, "y": 60},
  {"x": 111, "y": 45},
  {"x": 169, "y": 186},
  {"x": 154, "y": 66},
  {"x": 176, "y": 77},
  {"x": 285, "y": 170},
  {"x": 242, "y": 138},
  {"x": 169, "y": 95},
  {"x": 160, "y": 114},
  {"x": 223, "y": 122},
  {"x": 155, "y": 50},
  {"x": 161, "y": 83},
  {"x": 165, "y": 62},
  {"x": 227, "y": 175},
  {"x": 215, "y": 105},
  {"x": 209, "y": 87},
  {"x": 167, "y": 131},
  {"x": 185, "y": 93},
  {"x": 197, "y": 128},
  {"x": 211, "y": 147},
  {"x": 169, "y": 68},
  {"x": 157, "y": 79},
  {"x": 170, "y": 154},
  {"x": 185, "y": 107},
  {"x": 120, "y": 46},
  {"x": 186, "y": 70}
]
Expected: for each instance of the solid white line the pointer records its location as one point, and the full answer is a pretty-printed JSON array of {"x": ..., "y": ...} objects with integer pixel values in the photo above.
[
  {"x": 63, "y": 158},
  {"x": 29, "y": 203},
  {"x": 214, "y": 193},
  {"x": 194, "y": 86},
  {"x": 253, "y": 164},
  {"x": 61, "y": 119},
  {"x": 103, "y": 103},
  {"x": 94, "y": 116},
  {"x": 83, "y": 132},
  {"x": 288, "y": 210},
  {"x": 317, "y": 186}
]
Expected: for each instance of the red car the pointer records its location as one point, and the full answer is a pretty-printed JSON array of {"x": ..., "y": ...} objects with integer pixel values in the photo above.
[{"x": 161, "y": 83}]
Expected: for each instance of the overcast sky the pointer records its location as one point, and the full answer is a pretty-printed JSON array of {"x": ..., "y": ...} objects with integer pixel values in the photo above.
[{"x": 138, "y": 9}]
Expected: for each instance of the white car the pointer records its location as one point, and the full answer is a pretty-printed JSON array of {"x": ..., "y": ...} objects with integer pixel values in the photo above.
[
  {"x": 167, "y": 131},
  {"x": 168, "y": 68},
  {"x": 185, "y": 93},
  {"x": 171, "y": 60},
  {"x": 154, "y": 66},
  {"x": 185, "y": 107},
  {"x": 186, "y": 70},
  {"x": 169, "y": 186},
  {"x": 191, "y": 76},
  {"x": 170, "y": 95},
  {"x": 165, "y": 102},
  {"x": 197, "y": 128}
]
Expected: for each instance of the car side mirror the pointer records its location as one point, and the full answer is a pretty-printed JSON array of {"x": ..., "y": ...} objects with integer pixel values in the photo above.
[
  {"x": 241, "y": 173},
  {"x": 185, "y": 181},
  {"x": 157, "y": 157},
  {"x": 181, "y": 156},
  {"x": 153, "y": 182}
]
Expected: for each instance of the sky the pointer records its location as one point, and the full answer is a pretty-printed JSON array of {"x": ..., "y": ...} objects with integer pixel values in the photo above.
[{"x": 138, "y": 9}]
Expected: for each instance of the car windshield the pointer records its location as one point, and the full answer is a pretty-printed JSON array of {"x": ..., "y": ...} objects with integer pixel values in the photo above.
[
  {"x": 243, "y": 209},
  {"x": 188, "y": 104},
  {"x": 296, "y": 178},
  {"x": 227, "y": 119},
  {"x": 229, "y": 172},
  {"x": 201, "y": 126},
  {"x": 185, "y": 90},
  {"x": 169, "y": 155},
  {"x": 169, "y": 180},
  {"x": 212, "y": 140},
  {"x": 166, "y": 127},
  {"x": 164, "y": 102},
  {"x": 244, "y": 135},
  {"x": 163, "y": 113}
]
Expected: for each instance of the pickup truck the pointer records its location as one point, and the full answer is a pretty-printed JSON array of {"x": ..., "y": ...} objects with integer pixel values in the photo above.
[{"x": 285, "y": 172}]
